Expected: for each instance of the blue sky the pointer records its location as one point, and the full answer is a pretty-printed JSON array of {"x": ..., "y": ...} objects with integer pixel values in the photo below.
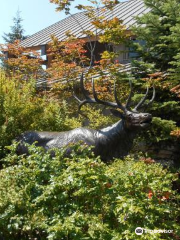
[{"x": 36, "y": 15}]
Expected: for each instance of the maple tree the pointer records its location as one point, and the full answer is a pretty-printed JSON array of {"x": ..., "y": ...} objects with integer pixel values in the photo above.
[
  {"x": 22, "y": 63},
  {"x": 107, "y": 31},
  {"x": 74, "y": 56},
  {"x": 68, "y": 57}
]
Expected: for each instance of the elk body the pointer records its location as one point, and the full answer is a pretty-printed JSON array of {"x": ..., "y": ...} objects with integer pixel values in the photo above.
[{"x": 112, "y": 142}]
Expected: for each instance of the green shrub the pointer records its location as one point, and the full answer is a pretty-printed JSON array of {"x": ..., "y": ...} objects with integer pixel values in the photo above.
[
  {"x": 95, "y": 117},
  {"x": 22, "y": 109},
  {"x": 80, "y": 197}
]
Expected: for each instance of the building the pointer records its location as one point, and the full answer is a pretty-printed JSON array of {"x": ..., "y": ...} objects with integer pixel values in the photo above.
[{"x": 126, "y": 11}]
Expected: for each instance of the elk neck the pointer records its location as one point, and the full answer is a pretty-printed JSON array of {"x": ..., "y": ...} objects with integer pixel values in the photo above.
[
  {"x": 116, "y": 135},
  {"x": 118, "y": 130},
  {"x": 114, "y": 141}
]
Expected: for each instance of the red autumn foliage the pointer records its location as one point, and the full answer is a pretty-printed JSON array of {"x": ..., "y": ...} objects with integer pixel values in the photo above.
[
  {"x": 147, "y": 160},
  {"x": 68, "y": 57},
  {"x": 150, "y": 194},
  {"x": 21, "y": 63}
]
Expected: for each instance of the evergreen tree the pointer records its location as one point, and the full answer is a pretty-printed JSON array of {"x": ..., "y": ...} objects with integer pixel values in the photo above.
[
  {"x": 17, "y": 31},
  {"x": 158, "y": 46},
  {"x": 159, "y": 29}
]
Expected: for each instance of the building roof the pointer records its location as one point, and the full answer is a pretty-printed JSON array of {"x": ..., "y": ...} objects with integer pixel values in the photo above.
[{"x": 78, "y": 22}]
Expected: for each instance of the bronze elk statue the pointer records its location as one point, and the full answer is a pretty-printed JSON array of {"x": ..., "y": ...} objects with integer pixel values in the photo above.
[{"x": 111, "y": 142}]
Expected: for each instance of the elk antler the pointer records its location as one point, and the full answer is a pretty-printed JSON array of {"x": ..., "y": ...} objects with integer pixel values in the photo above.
[
  {"x": 118, "y": 104},
  {"x": 87, "y": 98},
  {"x": 110, "y": 104},
  {"x": 130, "y": 94},
  {"x": 96, "y": 99},
  {"x": 152, "y": 99},
  {"x": 140, "y": 104}
]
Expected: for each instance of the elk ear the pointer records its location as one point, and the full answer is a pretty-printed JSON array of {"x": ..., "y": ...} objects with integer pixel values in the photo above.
[{"x": 116, "y": 113}]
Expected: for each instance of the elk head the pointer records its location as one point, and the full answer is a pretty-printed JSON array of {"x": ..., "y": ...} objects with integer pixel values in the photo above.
[{"x": 132, "y": 119}]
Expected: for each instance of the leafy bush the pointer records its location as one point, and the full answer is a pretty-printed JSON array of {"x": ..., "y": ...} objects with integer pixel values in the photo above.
[
  {"x": 95, "y": 117},
  {"x": 80, "y": 197},
  {"x": 22, "y": 109}
]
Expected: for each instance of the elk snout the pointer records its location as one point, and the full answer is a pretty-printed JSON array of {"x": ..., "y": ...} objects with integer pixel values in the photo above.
[{"x": 146, "y": 120}]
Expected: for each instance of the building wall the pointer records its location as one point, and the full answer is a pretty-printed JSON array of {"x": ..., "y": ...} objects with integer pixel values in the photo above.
[{"x": 123, "y": 53}]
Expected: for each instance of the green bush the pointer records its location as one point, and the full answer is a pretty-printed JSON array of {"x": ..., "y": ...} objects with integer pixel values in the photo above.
[
  {"x": 80, "y": 197},
  {"x": 22, "y": 109}
]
